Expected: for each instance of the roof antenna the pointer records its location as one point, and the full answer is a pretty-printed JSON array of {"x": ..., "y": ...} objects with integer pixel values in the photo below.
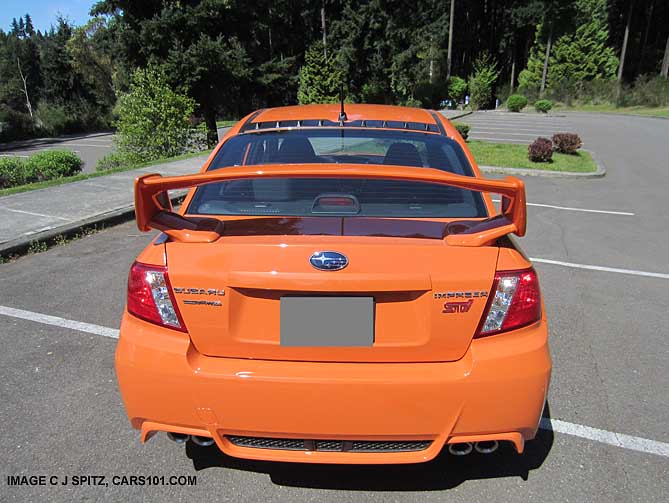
[{"x": 342, "y": 113}]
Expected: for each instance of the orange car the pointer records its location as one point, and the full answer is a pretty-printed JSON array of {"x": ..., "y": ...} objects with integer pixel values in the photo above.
[{"x": 337, "y": 287}]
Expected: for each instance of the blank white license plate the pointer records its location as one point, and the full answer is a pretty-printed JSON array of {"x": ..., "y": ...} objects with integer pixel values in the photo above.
[{"x": 327, "y": 321}]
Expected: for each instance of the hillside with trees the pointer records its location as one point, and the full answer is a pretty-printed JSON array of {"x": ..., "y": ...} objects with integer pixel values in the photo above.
[{"x": 233, "y": 56}]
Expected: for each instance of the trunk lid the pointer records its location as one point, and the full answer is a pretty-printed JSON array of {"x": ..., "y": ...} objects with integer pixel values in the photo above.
[{"x": 229, "y": 294}]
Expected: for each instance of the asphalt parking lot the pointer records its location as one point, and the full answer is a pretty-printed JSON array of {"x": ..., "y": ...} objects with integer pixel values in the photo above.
[
  {"x": 600, "y": 247},
  {"x": 521, "y": 128}
]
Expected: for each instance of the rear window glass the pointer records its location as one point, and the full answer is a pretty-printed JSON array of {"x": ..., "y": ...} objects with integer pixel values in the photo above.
[{"x": 304, "y": 196}]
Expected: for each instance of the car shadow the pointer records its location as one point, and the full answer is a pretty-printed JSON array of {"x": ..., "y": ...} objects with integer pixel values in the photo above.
[{"x": 444, "y": 472}]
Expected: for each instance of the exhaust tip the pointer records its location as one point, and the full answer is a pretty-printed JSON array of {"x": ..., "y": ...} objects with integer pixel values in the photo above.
[
  {"x": 178, "y": 438},
  {"x": 202, "y": 441},
  {"x": 486, "y": 446},
  {"x": 460, "y": 449}
]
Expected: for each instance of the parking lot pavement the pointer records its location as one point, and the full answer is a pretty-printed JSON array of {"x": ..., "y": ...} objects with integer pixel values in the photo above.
[
  {"x": 62, "y": 413},
  {"x": 508, "y": 127}
]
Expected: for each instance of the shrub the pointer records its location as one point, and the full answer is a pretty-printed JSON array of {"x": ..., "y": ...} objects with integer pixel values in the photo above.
[
  {"x": 516, "y": 102},
  {"x": 14, "y": 125},
  {"x": 153, "y": 119},
  {"x": 567, "y": 143},
  {"x": 51, "y": 164},
  {"x": 12, "y": 172},
  {"x": 117, "y": 160},
  {"x": 463, "y": 129},
  {"x": 541, "y": 150},
  {"x": 457, "y": 87},
  {"x": 543, "y": 106},
  {"x": 53, "y": 119},
  {"x": 481, "y": 82}
]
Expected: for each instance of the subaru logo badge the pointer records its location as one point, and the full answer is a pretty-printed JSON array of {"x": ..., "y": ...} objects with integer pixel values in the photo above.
[{"x": 328, "y": 260}]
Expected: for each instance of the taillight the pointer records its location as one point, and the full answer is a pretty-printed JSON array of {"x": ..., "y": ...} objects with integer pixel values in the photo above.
[
  {"x": 515, "y": 301},
  {"x": 150, "y": 296}
]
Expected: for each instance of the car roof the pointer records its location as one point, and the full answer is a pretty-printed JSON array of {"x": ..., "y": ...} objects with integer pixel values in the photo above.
[{"x": 353, "y": 112}]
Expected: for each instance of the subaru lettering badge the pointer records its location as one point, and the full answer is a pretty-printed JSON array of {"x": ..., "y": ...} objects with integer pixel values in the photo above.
[{"x": 328, "y": 260}]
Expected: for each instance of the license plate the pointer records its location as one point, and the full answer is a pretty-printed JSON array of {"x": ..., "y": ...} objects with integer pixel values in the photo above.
[{"x": 327, "y": 321}]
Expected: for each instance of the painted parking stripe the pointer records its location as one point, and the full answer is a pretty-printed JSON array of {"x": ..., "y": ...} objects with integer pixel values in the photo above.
[
  {"x": 59, "y": 322},
  {"x": 607, "y": 437},
  {"x": 616, "y": 270},
  {"x": 4, "y": 208},
  {"x": 569, "y": 208}
]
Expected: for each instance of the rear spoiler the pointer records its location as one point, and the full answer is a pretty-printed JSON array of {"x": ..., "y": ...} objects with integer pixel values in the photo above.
[{"x": 153, "y": 208}]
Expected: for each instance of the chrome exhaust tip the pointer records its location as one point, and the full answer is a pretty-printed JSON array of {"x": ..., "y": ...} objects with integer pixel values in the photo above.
[
  {"x": 486, "y": 446},
  {"x": 178, "y": 438},
  {"x": 460, "y": 449},
  {"x": 202, "y": 441}
]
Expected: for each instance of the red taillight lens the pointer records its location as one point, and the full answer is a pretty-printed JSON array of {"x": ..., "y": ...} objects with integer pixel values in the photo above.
[
  {"x": 515, "y": 301},
  {"x": 150, "y": 296}
]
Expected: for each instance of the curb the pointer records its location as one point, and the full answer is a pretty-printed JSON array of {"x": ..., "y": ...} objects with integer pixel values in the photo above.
[
  {"x": 456, "y": 117},
  {"x": 600, "y": 172},
  {"x": 18, "y": 246}
]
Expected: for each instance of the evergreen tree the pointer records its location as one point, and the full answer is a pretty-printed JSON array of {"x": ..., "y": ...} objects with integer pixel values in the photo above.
[
  {"x": 320, "y": 78},
  {"x": 580, "y": 54}
]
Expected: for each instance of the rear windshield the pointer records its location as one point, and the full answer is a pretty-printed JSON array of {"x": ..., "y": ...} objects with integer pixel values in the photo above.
[{"x": 304, "y": 196}]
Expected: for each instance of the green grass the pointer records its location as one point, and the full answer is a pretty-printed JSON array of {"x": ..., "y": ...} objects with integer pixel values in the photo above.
[
  {"x": 515, "y": 156},
  {"x": 607, "y": 108},
  {"x": 86, "y": 176},
  {"x": 226, "y": 123}
]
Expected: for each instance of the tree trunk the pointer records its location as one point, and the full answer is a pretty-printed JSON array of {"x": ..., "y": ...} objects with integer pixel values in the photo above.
[
  {"x": 548, "y": 53},
  {"x": 325, "y": 38},
  {"x": 513, "y": 70},
  {"x": 450, "y": 40},
  {"x": 25, "y": 88},
  {"x": 665, "y": 61},
  {"x": 212, "y": 131},
  {"x": 644, "y": 40},
  {"x": 624, "y": 49},
  {"x": 269, "y": 32}
]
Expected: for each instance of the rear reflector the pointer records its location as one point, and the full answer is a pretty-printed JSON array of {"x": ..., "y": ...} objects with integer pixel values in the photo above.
[
  {"x": 515, "y": 302},
  {"x": 150, "y": 296}
]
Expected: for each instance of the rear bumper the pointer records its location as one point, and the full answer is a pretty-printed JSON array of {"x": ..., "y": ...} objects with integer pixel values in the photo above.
[{"x": 496, "y": 391}]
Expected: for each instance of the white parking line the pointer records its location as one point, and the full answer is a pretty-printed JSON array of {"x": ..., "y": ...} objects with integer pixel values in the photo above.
[
  {"x": 59, "y": 322},
  {"x": 616, "y": 270},
  {"x": 568, "y": 208},
  {"x": 606, "y": 437},
  {"x": 31, "y": 213}
]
